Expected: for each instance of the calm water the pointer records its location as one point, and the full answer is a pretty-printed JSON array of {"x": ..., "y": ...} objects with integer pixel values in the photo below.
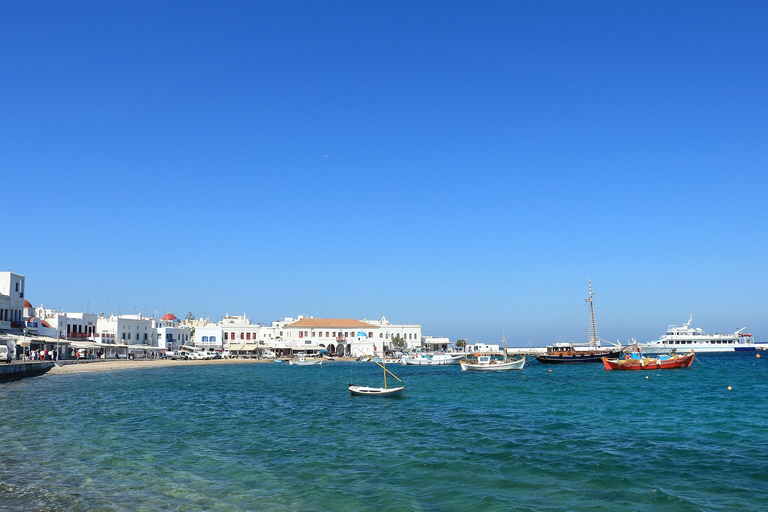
[{"x": 280, "y": 437}]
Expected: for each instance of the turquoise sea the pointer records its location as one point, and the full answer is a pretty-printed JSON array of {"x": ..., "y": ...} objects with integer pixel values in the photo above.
[{"x": 279, "y": 437}]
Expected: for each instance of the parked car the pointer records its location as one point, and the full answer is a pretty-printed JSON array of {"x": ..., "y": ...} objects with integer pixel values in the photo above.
[
  {"x": 5, "y": 353},
  {"x": 225, "y": 354}
]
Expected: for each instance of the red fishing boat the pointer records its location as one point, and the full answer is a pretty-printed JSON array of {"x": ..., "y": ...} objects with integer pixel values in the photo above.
[{"x": 636, "y": 361}]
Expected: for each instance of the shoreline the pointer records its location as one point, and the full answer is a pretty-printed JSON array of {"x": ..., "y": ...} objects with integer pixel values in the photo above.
[{"x": 122, "y": 364}]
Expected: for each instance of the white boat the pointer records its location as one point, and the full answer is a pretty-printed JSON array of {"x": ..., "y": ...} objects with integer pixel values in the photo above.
[
  {"x": 686, "y": 338},
  {"x": 398, "y": 392},
  {"x": 385, "y": 392},
  {"x": 303, "y": 361},
  {"x": 433, "y": 359},
  {"x": 487, "y": 364}
]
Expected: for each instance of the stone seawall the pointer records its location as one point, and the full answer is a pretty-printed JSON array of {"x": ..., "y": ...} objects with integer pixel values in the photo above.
[{"x": 15, "y": 371}]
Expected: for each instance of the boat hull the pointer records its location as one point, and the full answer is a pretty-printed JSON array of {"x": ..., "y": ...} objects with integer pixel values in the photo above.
[
  {"x": 398, "y": 392},
  {"x": 432, "y": 361},
  {"x": 494, "y": 367},
  {"x": 649, "y": 363},
  {"x": 666, "y": 348},
  {"x": 588, "y": 357},
  {"x": 307, "y": 363}
]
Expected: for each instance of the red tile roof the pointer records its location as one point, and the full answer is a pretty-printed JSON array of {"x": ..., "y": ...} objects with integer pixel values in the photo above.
[{"x": 327, "y": 323}]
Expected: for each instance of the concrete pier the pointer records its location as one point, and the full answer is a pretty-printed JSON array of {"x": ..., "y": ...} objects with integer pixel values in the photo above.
[{"x": 18, "y": 370}]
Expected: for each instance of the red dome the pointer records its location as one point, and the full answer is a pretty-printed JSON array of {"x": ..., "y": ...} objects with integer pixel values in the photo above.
[
  {"x": 27, "y": 304},
  {"x": 169, "y": 316}
]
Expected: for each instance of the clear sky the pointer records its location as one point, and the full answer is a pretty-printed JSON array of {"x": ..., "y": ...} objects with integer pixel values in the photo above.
[{"x": 466, "y": 166}]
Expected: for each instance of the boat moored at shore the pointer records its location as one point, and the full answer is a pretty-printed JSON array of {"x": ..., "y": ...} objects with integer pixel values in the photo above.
[{"x": 433, "y": 359}]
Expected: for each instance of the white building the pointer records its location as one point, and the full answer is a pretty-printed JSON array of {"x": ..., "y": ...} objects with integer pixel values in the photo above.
[
  {"x": 68, "y": 326},
  {"x": 170, "y": 333},
  {"x": 410, "y": 334},
  {"x": 483, "y": 348},
  {"x": 126, "y": 330},
  {"x": 435, "y": 344},
  {"x": 11, "y": 300},
  {"x": 234, "y": 333}
]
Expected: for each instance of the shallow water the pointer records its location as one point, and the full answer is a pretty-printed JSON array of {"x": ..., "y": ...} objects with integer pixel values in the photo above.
[{"x": 281, "y": 437}]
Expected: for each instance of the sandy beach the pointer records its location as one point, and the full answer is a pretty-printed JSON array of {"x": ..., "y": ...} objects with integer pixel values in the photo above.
[{"x": 122, "y": 364}]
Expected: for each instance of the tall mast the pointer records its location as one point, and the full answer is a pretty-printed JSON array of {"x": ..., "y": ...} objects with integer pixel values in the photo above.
[{"x": 594, "y": 341}]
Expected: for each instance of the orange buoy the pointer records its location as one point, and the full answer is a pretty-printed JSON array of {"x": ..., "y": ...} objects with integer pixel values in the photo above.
[
  {"x": 757, "y": 356},
  {"x": 550, "y": 371}
]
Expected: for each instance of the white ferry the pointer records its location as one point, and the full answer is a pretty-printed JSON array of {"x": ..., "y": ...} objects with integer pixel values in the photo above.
[{"x": 686, "y": 338}]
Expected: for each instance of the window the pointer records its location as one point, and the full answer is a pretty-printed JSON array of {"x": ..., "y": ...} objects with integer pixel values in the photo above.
[
  {"x": 248, "y": 336},
  {"x": 301, "y": 334},
  {"x": 326, "y": 334},
  {"x": 370, "y": 334},
  {"x": 242, "y": 335},
  {"x": 213, "y": 339},
  {"x": 205, "y": 339},
  {"x": 225, "y": 336}
]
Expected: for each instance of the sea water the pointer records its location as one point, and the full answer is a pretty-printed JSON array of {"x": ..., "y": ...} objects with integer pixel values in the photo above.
[{"x": 280, "y": 437}]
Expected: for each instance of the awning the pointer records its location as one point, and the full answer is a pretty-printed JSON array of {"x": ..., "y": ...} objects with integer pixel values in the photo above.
[
  {"x": 83, "y": 344},
  {"x": 248, "y": 347},
  {"x": 141, "y": 348}
]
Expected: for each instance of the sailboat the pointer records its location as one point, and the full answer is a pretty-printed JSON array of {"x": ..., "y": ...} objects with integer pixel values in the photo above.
[
  {"x": 385, "y": 392},
  {"x": 570, "y": 353},
  {"x": 485, "y": 364}
]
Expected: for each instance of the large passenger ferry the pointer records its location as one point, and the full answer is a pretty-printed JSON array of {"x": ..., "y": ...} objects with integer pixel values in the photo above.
[{"x": 687, "y": 338}]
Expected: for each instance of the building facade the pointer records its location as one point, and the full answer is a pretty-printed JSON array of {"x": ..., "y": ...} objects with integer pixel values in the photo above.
[{"x": 11, "y": 300}]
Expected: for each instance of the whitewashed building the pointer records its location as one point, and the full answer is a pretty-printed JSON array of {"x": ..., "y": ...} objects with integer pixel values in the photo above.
[
  {"x": 11, "y": 300},
  {"x": 126, "y": 330},
  {"x": 233, "y": 332},
  {"x": 410, "y": 334},
  {"x": 171, "y": 334},
  {"x": 435, "y": 344}
]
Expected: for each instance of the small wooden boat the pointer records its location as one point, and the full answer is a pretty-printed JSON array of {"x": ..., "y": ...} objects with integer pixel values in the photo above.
[
  {"x": 636, "y": 361},
  {"x": 307, "y": 362},
  {"x": 398, "y": 392},
  {"x": 385, "y": 392},
  {"x": 487, "y": 364},
  {"x": 433, "y": 360}
]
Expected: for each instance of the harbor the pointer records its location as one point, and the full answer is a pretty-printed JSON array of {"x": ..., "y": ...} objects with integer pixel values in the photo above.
[{"x": 244, "y": 435}]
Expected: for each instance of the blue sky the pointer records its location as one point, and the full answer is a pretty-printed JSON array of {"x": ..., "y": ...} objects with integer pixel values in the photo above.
[{"x": 462, "y": 165}]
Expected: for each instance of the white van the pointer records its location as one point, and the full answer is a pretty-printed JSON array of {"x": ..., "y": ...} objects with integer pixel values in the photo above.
[{"x": 5, "y": 353}]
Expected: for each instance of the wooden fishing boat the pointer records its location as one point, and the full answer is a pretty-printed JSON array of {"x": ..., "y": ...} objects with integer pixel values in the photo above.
[
  {"x": 636, "y": 361},
  {"x": 487, "y": 364},
  {"x": 570, "y": 353},
  {"x": 385, "y": 392},
  {"x": 303, "y": 361}
]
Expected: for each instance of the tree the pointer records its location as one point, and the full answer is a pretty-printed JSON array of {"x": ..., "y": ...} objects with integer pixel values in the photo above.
[
  {"x": 397, "y": 341},
  {"x": 461, "y": 343}
]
